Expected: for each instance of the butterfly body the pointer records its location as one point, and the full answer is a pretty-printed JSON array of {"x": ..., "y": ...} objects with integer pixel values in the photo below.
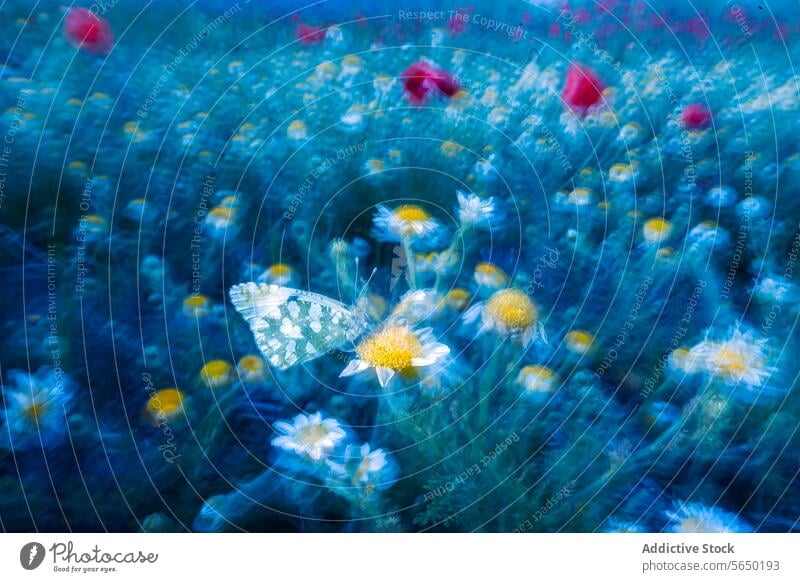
[{"x": 292, "y": 326}]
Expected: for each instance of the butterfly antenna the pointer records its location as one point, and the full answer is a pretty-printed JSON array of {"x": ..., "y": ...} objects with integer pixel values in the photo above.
[
  {"x": 366, "y": 285},
  {"x": 356, "y": 293}
]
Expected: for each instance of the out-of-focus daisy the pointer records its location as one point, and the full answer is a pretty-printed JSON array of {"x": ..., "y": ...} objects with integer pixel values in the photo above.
[
  {"x": 351, "y": 65},
  {"x": 474, "y": 211},
  {"x": 699, "y": 518},
  {"x": 721, "y": 196},
  {"x": 220, "y": 219},
  {"x": 507, "y": 313},
  {"x": 363, "y": 468},
  {"x": 450, "y": 149},
  {"x": 278, "y": 274},
  {"x": 383, "y": 84},
  {"x": 353, "y": 118},
  {"x": 216, "y": 373},
  {"x": 738, "y": 359},
  {"x": 440, "y": 263},
  {"x": 405, "y": 222},
  {"x": 579, "y": 341},
  {"x": 395, "y": 349},
  {"x": 457, "y": 298},
  {"x": 622, "y": 173},
  {"x": 196, "y": 306},
  {"x": 630, "y": 133},
  {"x": 707, "y": 235},
  {"x": 36, "y": 406},
  {"x": 297, "y": 130},
  {"x": 537, "y": 380},
  {"x": 581, "y": 196},
  {"x": 418, "y": 306},
  {"x": 656, "y": 230},
  {"x": 374, "y": 166},
  {"x": 309, "y": 435},
  {"x": 774, "y": 288},
  {"x": 490, "y": 275},
  {"x": 252, "y": 369},
  {"x": 165, "y": 404}
]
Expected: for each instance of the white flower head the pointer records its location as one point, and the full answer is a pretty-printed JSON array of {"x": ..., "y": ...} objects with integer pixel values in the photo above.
[
  {"x": 441, "y": 263},
  {"x": 393, "y": 349},
  {"x": 417, "y": 306},
  {"x": 364, "y": 468},
  {"x": 309, "y": 435},
  {"x": 507, "y": 313},
  {"x": 475, "y": 211},
  {"x": 407, "y": 221},
  {"x": 699, "y": 518},
  {"x": 738, "y": 359},
  {"x": 537, "y": 380},
  {"x": 36, "y": 408},
  {"x": 279, "y": 274}
]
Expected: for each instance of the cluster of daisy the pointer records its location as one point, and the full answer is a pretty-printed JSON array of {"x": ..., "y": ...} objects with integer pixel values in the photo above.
[{"x": 321, "y": 444}]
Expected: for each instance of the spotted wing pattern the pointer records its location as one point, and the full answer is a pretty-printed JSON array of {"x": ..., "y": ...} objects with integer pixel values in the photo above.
[{"x": 292, "y": 326}]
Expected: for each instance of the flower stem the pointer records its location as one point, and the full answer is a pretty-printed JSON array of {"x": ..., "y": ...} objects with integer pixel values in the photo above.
[{"x": 412, "y": 267}]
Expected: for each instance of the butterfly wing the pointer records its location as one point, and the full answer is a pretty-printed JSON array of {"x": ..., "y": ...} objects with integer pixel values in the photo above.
[{"x": 292, "y": 326}]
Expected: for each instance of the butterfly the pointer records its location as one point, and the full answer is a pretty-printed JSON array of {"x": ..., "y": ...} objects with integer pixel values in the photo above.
[{"x": 293, "y": 326}]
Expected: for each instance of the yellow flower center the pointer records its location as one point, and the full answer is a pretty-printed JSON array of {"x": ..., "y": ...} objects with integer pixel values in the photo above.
[
  {"x": 280, "y": 270},
  {"x": 657, "y": 228},
  {"x": 731, "y": 361},
  {"x": 457, "y": 298},
  {"x": 537, "y": 372},
  {"x": 195, "y": 301},
  {"x": 34, "y": 412},
  {"x": 393, "y": 347},
  {"x": 311, "y": 435},
  {"x": 251, "y": 364},
  {"x": 167, "y": 402},
  {"x": 410, "y": 213},
  {"x": 222, "y": 212},
  {"x": 579, "y": 341},
  {"x": 215, "y": 372},
  {"x": 512, "y": 308}
]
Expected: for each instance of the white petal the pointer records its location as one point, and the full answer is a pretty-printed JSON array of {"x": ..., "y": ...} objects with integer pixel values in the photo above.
[
  {"x": 471, "y": 314},
  {"x": 355, "y": 366},
  {"x": 384, "y": 375},
  {"x": 431, "y": 356},
  {"x": 283, "y": 427}
]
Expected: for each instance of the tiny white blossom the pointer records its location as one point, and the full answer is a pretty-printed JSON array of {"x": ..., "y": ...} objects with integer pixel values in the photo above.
[
  {"x": 475, "y": 211},
  {"x": 309, "y": 435}
]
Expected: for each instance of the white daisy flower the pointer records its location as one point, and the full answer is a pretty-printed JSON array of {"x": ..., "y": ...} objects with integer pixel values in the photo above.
[
  {"x": 363, "y": 467},
  {"x": 279, "y": 274},
  {"x": 490, "y": 275},
  {"x": 507, "y": 313},
  {"x": 538, "y": 381},
  {"x": 440, "y": 263},
  {"x": 474, "y": 211},
  {"x": 394, "y": 349},
  {"x": 738, "y": 359},
  {"x": 699, "y": 518},
  {"x": 36, "y": 408},
  {"x": 407, "y": 221},
  {"x": 309, "y": 435},
  {"x": 417, "y": 306}
]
